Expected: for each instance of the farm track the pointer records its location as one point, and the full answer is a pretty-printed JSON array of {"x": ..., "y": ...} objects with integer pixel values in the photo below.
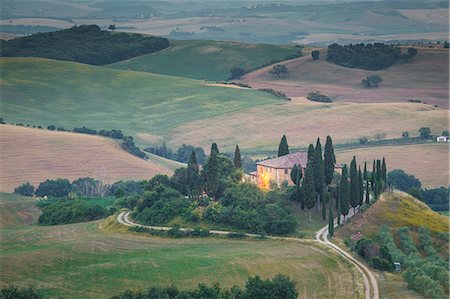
[{"x": 370, "y": 283}]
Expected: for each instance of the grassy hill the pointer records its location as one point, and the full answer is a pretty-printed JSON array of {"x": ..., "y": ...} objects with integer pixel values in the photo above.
[
  {"x": 100, "y": 259},
  {"x": 424, "y": 78},
  {"x": 176, "y": 110},
  {"x": 432, "y": 171},
  {"x": 206, "y": 59},
  {"x": 34, "y": 155}
]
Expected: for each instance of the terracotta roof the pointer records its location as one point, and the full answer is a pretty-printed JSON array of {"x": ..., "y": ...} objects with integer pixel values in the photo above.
[{"x": 286, "y": 161}]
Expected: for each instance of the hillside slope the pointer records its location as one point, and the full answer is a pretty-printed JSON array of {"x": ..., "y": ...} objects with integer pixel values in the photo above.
[
  {"x": 206, "y": 59},
  {"x": 34, "y": 155},
  {"x": 432, "y": 171},
  {"x": 425, "y": 78}
]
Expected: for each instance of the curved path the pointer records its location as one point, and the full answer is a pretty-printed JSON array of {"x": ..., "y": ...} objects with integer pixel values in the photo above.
[{"x": 370, "y": 282}]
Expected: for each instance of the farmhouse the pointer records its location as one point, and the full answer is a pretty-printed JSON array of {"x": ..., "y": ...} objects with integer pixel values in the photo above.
[
  {"x": 442, "y": 139},
  {"x": 278, "y": 170}
]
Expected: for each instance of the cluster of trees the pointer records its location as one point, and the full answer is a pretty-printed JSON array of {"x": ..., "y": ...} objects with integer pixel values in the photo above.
[
  {"x": 255, "y": 288},
  {"x": 436, "y": 198},
  {"x": 182, "y": 154},
  {"x": 129, "y": 145},
  {"x": 318, "y": 97},
  {"x": 85, "y": 44},
  {"x": 59, "y": 188},
  {"x": 279, "y": 71},
  {"x": 375, "y": 56},
  {"x": 377, "y": 256},
  {"x": 69, "y": 211},
  {"x": 13, "y": 292},
  {"x": 371, "y": 81}
]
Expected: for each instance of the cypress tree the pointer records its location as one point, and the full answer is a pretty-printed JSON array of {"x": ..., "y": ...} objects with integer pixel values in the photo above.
[
  {"x": 309, "y": 193},
  {"x": 354, "y": 185},
  {"x": 383, "y": 170},
  {"x": 237, "y": 158},
  {"x": 360, "y": 187},
  {"x": 339, "y": 214},
  {"x": 283, "y": 148},
  {"x": 344, "y": 193},
  {"x": 378, "y": 173},
  {"x": 331, "y": 222},
  {"x": 372, "y": 177},
  {"x": 325, "y": 197},
  {"x": 318, "y": 168},
  {"x": 329, "y": 161},
  {"x": 366, "y": 180},
  {"x": 193, "y": 176},
  {"x": 311, "y": 153},
  {"x": 296, "y": 177},
  {"x": 212, "y": 172},
  {"x": 214, "y": 148}
]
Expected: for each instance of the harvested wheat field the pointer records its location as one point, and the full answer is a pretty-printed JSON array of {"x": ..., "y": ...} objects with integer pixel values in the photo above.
[
  {"x": 427, "y": 162},
  {"x": 34, "y": 155}
]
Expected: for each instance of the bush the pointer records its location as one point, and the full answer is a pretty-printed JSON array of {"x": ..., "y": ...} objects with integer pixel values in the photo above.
[
  {"x": 318, "y": 97},
  {"x": 55, "y": 188},
  {"x": 402, "y": 181},
  {"x": 12, "y": 292},
  {"x": 371, "y": 81},
  {"x": 26, "y": 189},
  {"x": 70, "y": 211}
]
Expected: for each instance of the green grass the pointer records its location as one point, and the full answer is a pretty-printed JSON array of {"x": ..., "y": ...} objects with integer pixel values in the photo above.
[
  {"x": 97, "y": 260},
  {"x": 43, "y": 92},
  {"x": 206, "y": 59}
]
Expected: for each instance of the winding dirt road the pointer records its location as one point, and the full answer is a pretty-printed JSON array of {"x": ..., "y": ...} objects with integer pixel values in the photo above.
[{"x": 370, "y": 283}]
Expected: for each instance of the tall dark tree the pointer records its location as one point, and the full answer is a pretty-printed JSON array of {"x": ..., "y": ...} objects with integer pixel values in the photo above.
[
  {"x": 329, "y": 161},
  {"x": 296, "y": 177},
  {"x": 378, "y": 173},
  {"x": 315, "y": 54},
  {"x": 324, "y": 196},
  {"x": 193, "y": 177},
  {"x": 354, "y": 185},
  {"x": 372, "y": 176},
  {"x": 311, "y": 153},
  {"x": 214, "y": 148},
  {"x": 318, "y": 168},
  {"x": 331, "y": 222},
  {"x": 360, "y": 187},
  {"x": 212, "y": 174},
  {"x": 344, "y": 193},
  {"x": 383, "y": 171},
  {"x": 283, "y": 148},
  {"x": 309, "y": 191},
  {"x": 237, "y": 158},
  {"x": 367, "y": 192}
]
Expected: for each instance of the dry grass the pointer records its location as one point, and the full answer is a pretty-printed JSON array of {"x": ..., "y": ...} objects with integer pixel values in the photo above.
[
  {"x": 401, "y": 82},
  {"x": 35, "y": 155},
  {"x": 303, "y": 121},
  {"x": 428, "y": 162}
]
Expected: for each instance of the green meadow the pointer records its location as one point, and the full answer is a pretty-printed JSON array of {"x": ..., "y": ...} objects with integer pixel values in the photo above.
[
  {"x": 207, "y": 59},
  {"x": 100, "y": 259},
  {"x": 42, "y": 92}
]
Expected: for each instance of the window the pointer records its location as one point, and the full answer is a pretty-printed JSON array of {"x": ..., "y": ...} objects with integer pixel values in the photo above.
[{"x": 285, "y": 171}]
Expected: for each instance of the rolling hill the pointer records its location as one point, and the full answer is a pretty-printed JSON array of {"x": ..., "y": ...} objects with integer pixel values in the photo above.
[
  {"x": 176, "y": 110},
  {"x": 35, "y": 155},
  {"x": 99, "y": 259},
  {"x": 427, "y": 162},
  {"x": 424, "y": 78},
  {"x": 206, "y": 59}
]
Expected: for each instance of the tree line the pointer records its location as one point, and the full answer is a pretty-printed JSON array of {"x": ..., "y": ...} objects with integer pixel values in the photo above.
[{"x": 86, "y": 44}]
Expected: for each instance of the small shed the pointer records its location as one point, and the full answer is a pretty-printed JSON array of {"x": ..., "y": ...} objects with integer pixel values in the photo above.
[{"x": 442, "y": 139}]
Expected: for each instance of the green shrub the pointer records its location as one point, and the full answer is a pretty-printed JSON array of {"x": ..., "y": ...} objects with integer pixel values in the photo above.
[
  {"x": 70, "y": 211},
  {"x": 26, "y": 189}
]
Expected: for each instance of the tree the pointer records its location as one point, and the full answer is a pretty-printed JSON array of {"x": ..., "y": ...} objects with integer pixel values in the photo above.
[
  {"x": 51, "y": 128},
  {"x": 236, "y": 73},
  {"x": 371, "y": 81},
  {"x": 283, "y": 147},
  {"x": 279, "y": 71},
  {"x": 445, "y": 133},
  {"x": 354, "y": 185},
  {"x": 405, "y": 134},
  {"x": 112, "y": 27},
  {"x": 237, "y": 158},
  {"x": 425, "y": 133},
  {"x": 315, "y": 54},
  {"x": 86, "y": 187},
  {"x": 324, "y": 196},
  {"x": 344, "y": 195},
  {"x": 55, "y": 188},
  {"x": 372, "y": 176},
  {"x": 318, "y": 169},
  {"x": 308, "y": 188},
  {"x": 296, "y": 177},
  {"x": 446, "y": 45},
  {"x": 412, "y": 52},
  {"x": 329, "y": 161},
  {"x": 366, "y": 180},
  {"x": 380, "y": 136},
  {"x": 311, "y": 153},
  {"x": 212, "y": 174},
  {"x": 193, "y": 177},
  {"x": 2, "y": 121},
  {"x": 383, "y": 170},
  {"x": 26, "y": 189},
  {"x": 402, "y": 181},
  {"x": 360, "y": 187},
  {"x": 331, "y": 222},
  {"x": 215, "y": 148}
]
